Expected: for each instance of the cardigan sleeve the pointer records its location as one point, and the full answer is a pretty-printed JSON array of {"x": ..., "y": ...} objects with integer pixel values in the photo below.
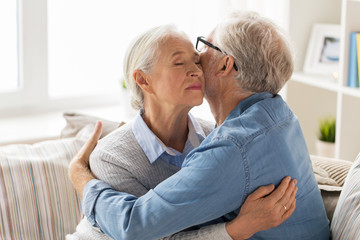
[
  {"x": 211, "y": 232},
  {"x": 108, "y": 169}
]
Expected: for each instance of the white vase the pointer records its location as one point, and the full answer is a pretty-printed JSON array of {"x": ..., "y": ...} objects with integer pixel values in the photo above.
[{"x": 325, "y": 149}]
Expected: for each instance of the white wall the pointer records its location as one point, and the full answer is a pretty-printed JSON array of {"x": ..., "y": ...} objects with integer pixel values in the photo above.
[{"x": 301, "y": 18}]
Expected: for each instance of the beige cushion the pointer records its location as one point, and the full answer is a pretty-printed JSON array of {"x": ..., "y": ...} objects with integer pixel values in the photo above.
[
  {"x": 75, "y": 122},
  {"x": 346, "y": 220},
  {"x": 330, "y": 173},
  {"x": 37, "y": 200}
]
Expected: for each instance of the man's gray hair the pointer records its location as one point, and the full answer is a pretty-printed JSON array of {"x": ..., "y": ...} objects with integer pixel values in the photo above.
[
  {"x": 143, "y": 54},
  {"x": 260, "y": 50}
]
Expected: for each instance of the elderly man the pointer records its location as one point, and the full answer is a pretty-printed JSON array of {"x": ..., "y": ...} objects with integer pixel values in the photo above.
[{"x": 246, "y": 61}]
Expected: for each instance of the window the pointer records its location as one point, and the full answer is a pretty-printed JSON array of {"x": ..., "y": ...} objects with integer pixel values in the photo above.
[
  {"x": 86, "y": 48},
  {"x": 71, "y": 51},
  {"x": 8, "y": 46}
]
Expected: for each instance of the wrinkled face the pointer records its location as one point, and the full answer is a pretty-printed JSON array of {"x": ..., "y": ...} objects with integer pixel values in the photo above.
[
  {"x": 177, "y": 77},
  {"x": 208, "y": 63}
]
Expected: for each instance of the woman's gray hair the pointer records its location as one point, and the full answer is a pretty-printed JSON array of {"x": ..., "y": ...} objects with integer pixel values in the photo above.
[
  {"x": 142, "y": 54},
  {"x": 260, "y": 50}
]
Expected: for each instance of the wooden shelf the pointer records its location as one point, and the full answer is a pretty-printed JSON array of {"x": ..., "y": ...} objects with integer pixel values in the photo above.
[
  {"x": 315, "y": 96},
  {"x": 354, "y": 92},
  {"x": 319, "y": 81}
]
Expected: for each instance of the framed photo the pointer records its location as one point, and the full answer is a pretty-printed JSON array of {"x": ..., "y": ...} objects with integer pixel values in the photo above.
[{"x": 323, "y": 51}]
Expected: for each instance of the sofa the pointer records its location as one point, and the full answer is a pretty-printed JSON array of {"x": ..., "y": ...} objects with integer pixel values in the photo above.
[{"x": 37, "y": 200}]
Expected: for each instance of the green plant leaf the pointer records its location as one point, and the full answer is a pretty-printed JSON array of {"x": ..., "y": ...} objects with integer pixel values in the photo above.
[
  {"x": 123, "y": 83},
  {"x": 327, "y": 129}
]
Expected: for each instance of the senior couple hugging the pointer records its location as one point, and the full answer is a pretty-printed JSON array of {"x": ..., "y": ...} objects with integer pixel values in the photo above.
[{"x": 168, "y": 175}]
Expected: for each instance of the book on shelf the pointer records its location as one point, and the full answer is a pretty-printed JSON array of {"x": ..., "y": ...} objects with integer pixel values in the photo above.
[
  {"x": 353, "y": 80},
  {"x": 358, "y": 55}
]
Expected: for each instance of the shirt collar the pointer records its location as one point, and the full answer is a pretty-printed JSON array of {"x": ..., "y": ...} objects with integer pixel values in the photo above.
[
  {"x": 153, "y": 147},
  {"x": 248, "y": 102},
  {"x": 196, "y": 133}
]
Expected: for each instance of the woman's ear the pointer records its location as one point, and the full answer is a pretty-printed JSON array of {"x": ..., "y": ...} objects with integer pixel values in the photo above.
[
  {"x": 226, "y": 65},
  {"x": 141, "y": 80}
]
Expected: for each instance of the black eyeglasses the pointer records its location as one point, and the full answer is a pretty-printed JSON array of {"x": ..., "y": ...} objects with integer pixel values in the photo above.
[{"x": 202, "y": 40}]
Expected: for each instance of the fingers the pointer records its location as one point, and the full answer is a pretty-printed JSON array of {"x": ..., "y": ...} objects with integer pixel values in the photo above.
[
  {"x": 95, "y": 135},
  {"x": 290, "y": 211},
  {"x": 289, "y": 195},
  {"x": 280, "y": 190},
  {"x": 261, "y": 192},
  {"x": 92, "y": 141},
  {"x": 292, "y": 198}
]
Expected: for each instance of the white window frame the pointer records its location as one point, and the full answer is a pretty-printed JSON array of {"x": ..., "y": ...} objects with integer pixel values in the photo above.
[{"x": 32, "y": 95}]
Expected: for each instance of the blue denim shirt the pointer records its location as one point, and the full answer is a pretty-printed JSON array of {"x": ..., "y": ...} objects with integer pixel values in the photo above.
[{"x": 259, "y": 143}]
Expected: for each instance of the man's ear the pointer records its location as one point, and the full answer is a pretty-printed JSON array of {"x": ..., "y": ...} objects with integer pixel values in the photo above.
[
  {"x": 141, "y": 80},
  {"x": 226, "y": 65}
]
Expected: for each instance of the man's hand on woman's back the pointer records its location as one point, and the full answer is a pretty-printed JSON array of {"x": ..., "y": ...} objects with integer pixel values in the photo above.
[{"x": 265, "y": 208}]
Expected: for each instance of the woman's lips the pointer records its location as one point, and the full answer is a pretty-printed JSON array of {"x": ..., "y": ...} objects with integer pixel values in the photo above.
[{"x": 196, "y": 86}]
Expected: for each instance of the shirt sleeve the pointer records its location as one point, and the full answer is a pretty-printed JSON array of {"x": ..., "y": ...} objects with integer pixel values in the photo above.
[{"x": 211, "y": 183}]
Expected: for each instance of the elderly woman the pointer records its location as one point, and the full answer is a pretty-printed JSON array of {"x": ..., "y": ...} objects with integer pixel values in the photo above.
[{"x": 163, "y": 71}]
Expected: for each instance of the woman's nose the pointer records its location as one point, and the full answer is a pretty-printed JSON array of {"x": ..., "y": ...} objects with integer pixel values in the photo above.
[{"x": 196, "y": 71}]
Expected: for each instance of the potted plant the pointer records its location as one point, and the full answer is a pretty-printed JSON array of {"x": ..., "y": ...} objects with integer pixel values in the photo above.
[
  {"x": 123, "y": 83},
  {"x": 326, "y": 139}
]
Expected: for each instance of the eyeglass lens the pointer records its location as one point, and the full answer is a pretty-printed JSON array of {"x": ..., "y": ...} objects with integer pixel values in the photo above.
[{"x": 200, "y": 46}]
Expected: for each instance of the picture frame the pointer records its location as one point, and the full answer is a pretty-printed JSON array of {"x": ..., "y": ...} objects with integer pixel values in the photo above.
[{"x": 323, "y": 50}]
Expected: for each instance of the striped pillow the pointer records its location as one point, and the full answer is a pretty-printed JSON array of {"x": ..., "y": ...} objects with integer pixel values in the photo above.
[
  {"x": 330, "y": 173},
  {"x": 346, "y": 220},
  {"x": 37, "y": 200}
]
